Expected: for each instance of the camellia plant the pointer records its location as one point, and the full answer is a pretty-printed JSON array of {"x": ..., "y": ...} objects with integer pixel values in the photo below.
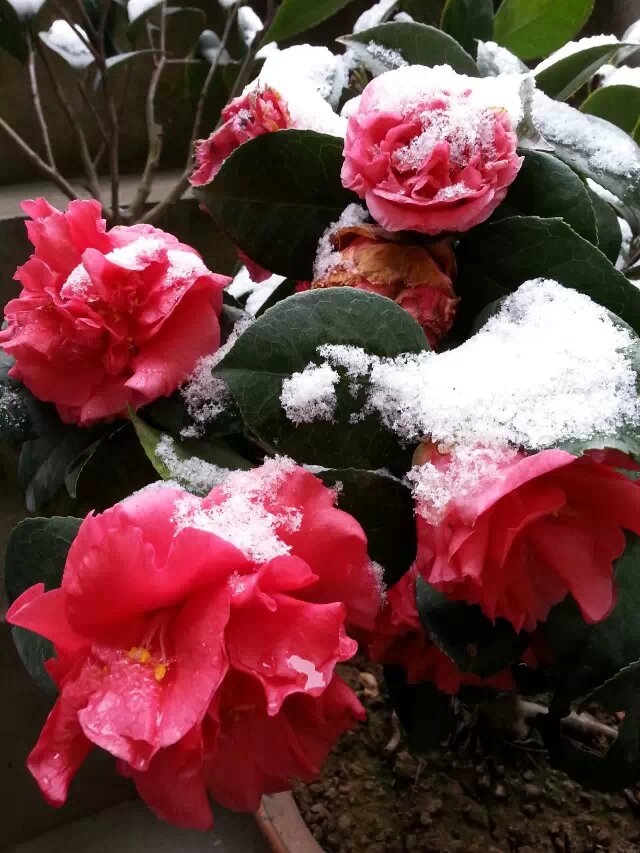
[{"x": 409, "y": 426}]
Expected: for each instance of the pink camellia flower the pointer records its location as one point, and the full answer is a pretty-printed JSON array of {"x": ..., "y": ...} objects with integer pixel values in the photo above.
[
  {"x": 254, "y": 114},
  {"x": 428, "y": 151},
  {"x": 533, "y": 530},
  {"x": 196, "y": 640},
  {"x": 107, "y": 319},
  {"x": 418, "y": 278},
  {"x": 400, "y": 639}
]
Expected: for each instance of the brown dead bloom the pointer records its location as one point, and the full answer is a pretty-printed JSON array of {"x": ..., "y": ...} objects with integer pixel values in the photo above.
[{"x": 418, "y": 278}]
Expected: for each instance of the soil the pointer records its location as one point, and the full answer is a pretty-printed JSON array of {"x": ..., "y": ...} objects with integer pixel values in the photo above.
[{"x": 372, "y": 799}]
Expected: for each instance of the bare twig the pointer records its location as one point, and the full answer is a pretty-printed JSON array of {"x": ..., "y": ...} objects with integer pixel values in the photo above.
[
  {"x": 583, "y": 724},
  {"x": 37, "y": 103},
  {"x": 154, "y": 130},
  {"x": 93, "y": 184},
  {"x": 48, "y": 171},
  {"x": 183, "y": 182}
]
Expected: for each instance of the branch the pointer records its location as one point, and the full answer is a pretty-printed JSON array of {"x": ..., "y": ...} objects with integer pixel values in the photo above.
[
  {"x": 583, "y": 724},
  {"x": 37, "y": 103},
  {"x": 90, "y": 171},
  {"x": 154, "y": 130},
  {"x": 183, "y": 182},
  {"x": 51, "y": 173}
]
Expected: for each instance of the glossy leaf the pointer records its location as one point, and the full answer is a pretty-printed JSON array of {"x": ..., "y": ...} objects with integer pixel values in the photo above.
[
  {"x": 609, "y": 233},
  {"x": 284, "y": 341},
  {"x": 417, "y": 44},
  {"x": 567, "y": 75},
  {"x": 547, "y": 187},
  {"x": 296, "y": 16},
  {"x": 533, "y": 28},
  {"x": 468, "y": 21},
  {"x": 384, "y": 507},
  {"x": 495, "y": 259},
  {"x": 619, "y": 105},
  {"x": 276, "y": 215},
  {"x": 466, "y": 635}
]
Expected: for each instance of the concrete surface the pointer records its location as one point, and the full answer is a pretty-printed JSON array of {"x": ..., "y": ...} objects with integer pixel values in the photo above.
[{"x": 131, "y": 828}]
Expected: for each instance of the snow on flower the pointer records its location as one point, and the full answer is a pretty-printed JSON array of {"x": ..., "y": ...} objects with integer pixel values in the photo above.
[
  {"x": 107, "y": 319},
  {"x": 430, "y": 150},
  {"x": 196, "y": 641}
]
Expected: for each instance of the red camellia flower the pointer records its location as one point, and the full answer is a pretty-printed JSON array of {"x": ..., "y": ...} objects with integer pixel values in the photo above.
[
  {"x": 254, "y": 114},
  {"x": 418, "y": 278},
  {"x": 400, "y": 639},
  {"x": 196, "y": 640},
  {"x": 428, "y": 151},
  {"x": 539, "y": 527},
  {"x": 107, "y": 319}
]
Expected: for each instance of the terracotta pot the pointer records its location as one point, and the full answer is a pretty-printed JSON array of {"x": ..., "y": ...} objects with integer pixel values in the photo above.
[{"x": 282, "y": 825}]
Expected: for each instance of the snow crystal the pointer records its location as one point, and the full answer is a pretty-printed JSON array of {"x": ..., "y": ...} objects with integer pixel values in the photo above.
[
  {"x": 11, "y": 413},
  {"x": 493, "y": 60},
  {"x": 268, "y": 50},
  {"x": 137, "y": 253},
  {"x": 604, "y": 194},
  {"x": 326, "y": 256},
  {"x": 195, "y": 474},
  {"x": 375, "y": 15},
  {"x": 350, "y": 107},
  {"x": 604, "y": 147},
  {"x": 625, "y": 75},
  {"x": 311, "y": 395},
  {"x": 246, "y": 512},
  {"x": 572, "y": 47},
  {"x": 249, "y": 24},
  {"x": 549, "y": 367},
  {"x": 388, "y": 57},
  {"x": 307, "y": 77},
  {"x": 625, "y": 246},
  {"x": 205, "y": 395},
  {"x": 408, "y": 88}
]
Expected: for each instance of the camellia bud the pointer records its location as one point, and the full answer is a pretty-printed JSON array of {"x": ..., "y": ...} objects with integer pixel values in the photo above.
[{"x": 418, "y": 278}]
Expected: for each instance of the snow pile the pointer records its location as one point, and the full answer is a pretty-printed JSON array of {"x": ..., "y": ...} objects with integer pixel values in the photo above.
[
  {"x": 493, "y": 60},
  {"x": 196, "y": 475},
  {"x": 249, "y": 24},
  {"x": 572, "y": 47},
  {"x": 625, "y": 75},
  {"x": 604, "y": 147},
  {"x": 69, "y": 39},
  {"x": 311, "y": 395},
  {"x": 375, "y": 15},
  {"x": 245, "y": 512},
  {"x": 257, "y": 292},
  {"x": 307, "y": 77},
  {"x": 409, "y": 88},
  {"x": 549, "y": 367}
]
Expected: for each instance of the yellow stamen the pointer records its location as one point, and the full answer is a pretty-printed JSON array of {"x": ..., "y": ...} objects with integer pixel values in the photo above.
[
  {"x": 140, "y": 654},
  {"x": 160, "y": 670}
]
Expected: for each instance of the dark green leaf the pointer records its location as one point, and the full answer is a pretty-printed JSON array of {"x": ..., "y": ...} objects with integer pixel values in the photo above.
[
  {"x": 296, "y": 16},
  {"x": 423, "y": 11},
  {"x": 197, "y": 452},
  {"x": 619, "y": 105},
  {"x": 466, "y": 635},
  {"x": 148, "y": 11},
  {"x": 36, "y": 553},
  {"x": 284, "y": 341},
  {"x": 424, "y": 712},
  {"x": 276, "y": 215},
  {"x": 124, "y": 58},
  {"x": 609, "y": 233},
  {"x": 12, "y": 38},
  {"x": 384, "y": 507},
  {"x": 283, "y": 291},
  {"x": 567, "y": 75},
  {"x": 626, "y": 441},
  {"x": 209, "y": 48},
  {"x": 34, "y": 650},
  {"x": 418, "y": 44},
  {"x": 468, "y": 21},
  {"x": 532, "y": 28},
  {"x": 547, "y": 187},
  {"x": 495, "y": 259}
]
